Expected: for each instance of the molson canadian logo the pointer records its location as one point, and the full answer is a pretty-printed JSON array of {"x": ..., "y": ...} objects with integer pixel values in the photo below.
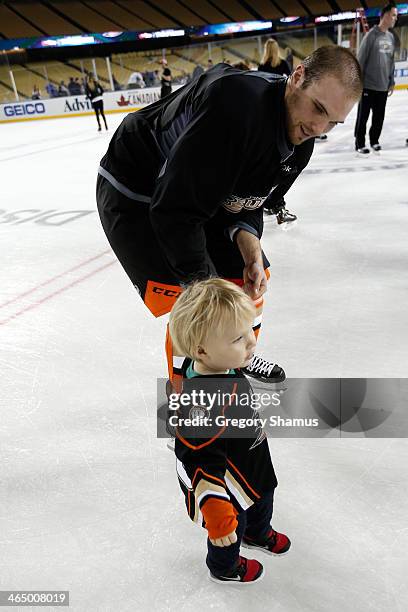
[
  {"x": 138, "y": 97},
  {"x": 122, "y": 101}
]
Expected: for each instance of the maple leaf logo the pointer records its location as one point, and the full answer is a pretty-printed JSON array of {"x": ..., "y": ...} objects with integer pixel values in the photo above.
[{"x": 122, "y": 101}]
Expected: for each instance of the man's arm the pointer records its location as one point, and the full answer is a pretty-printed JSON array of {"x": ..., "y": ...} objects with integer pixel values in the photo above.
[
  {"x": 392, "y": 71},
  {"x": 364, "y": 50},
  {"x": 300, "y": 158}
]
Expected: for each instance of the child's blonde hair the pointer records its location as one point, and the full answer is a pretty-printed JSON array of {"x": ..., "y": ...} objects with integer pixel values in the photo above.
[{"x": 204, "y": 306}]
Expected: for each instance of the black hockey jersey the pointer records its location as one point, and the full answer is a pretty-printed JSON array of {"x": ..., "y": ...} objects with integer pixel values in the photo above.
[
  {"x": 216, "y": 147},
  {"x": 222, "y": 469}
]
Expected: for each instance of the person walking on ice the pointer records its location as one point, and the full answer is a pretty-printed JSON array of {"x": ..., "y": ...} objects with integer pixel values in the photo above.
[{"x": 376, "y": 57}]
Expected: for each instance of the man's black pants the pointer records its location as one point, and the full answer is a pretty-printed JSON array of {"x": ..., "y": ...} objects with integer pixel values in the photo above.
[
  {"x": 374, "y": 101},
  {"x": 254, "y": 523}
]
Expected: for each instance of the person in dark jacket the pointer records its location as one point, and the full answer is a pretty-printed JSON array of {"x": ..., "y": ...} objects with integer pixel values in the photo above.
[
  {"x": 275, "y": 203},
  {"x": 271, "y": 60},
  {"x": 94, "y": 93},
  {"x": 181, "y": 188},
  {"x": 289, "y": 57},
  {"x": 166, "y": 88}
]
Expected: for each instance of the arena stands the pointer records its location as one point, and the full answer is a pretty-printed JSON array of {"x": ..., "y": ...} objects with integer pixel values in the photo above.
[{"x": 30, "y": 18}]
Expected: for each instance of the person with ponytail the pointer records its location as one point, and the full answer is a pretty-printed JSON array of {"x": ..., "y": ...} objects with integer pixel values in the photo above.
[
  {"x": 94, "y": 93},
  {"x": 271, "y": 60}
]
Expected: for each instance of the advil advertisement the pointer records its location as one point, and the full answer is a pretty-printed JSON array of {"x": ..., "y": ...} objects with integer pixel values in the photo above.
[{"x": 76, "y": 106}]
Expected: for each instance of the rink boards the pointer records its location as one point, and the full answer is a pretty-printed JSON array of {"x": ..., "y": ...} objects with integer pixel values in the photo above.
[
  {"x": 114, "y": 102},
  {"x": 77, "y": 106}
]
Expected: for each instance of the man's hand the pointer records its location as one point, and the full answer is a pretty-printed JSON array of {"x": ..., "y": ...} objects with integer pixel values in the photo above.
[
  {"x": 391, "y": 91},
  {"x": 255, "y": 283},
  {"x": 231, "y": 538},
  {"x": 254, "y": 277}
]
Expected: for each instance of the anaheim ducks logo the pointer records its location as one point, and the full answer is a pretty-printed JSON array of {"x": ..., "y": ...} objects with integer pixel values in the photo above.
[
  {"x": 198, "y": 412},
  {"x": 235, "y": 204}
]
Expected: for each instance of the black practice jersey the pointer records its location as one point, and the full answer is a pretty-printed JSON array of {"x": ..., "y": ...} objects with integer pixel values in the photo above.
[
  {"x": 217, "y": 460},
  {"x": 215, "y": 147}
]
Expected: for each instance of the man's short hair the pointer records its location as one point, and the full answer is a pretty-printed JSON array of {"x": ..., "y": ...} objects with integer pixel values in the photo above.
[
  {"x": 336, "y": 61},
  {"x": 387, "y": 8},
  {"x": 205, "y": 306}
]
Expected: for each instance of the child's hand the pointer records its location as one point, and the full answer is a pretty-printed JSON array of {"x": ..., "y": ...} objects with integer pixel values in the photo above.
[{"x": 231, "y": 538}]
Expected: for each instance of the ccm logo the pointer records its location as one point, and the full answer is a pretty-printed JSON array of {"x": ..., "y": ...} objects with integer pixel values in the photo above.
[
  {"x": 24, "y": 109},
  {"x": 166, "y": 292}
]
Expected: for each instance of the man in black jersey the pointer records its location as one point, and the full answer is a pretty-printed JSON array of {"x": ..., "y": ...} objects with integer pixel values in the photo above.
[{"x": 181, "y": 188}]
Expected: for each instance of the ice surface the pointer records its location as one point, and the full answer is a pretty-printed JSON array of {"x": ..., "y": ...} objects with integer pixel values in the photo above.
[{"x": 89, "y": 499}]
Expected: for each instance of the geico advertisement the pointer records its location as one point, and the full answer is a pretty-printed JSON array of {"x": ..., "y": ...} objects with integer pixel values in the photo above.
[{"x": 72, "y": 106}]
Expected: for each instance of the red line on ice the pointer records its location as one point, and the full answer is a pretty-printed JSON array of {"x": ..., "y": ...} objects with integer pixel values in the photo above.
[
  {"x": 50, "y": 280},
  {"x": 51, "y": 295}
]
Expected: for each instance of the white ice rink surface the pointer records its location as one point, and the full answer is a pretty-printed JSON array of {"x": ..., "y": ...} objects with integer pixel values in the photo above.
[{"x": 89, "y": 500}]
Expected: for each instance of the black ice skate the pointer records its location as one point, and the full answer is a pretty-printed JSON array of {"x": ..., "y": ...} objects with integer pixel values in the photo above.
[
  {"x": 284, "y": 216},
  {"x": 363, "y": 151},
  {"x": 376, "y": 148},
  {"x": 264, "y": 370}
]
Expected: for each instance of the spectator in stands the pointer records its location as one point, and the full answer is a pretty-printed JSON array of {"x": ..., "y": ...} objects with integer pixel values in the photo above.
[
  {"x": 184, "y": 78},
  {"x": 149, "y": 78},
  {"x": 79, "y": 87},
  {"x": 116, "y": 85},
  {"x": 209, "y": 64},
  {"x": 94, "y": 93},
  {"x": 198, "y": 71},
  {"x": 136, "y": 81},
  {"x": 271, "y": 61},
  {"x": 165, "y": 82},
  {"x": 51, "y": 90},
  {"x": 289, "y": 57},
  {"x": 62, "y": 89},
  {"x": 36, "y": 94},
  {"x": 156, "y": 78},
  {"x": 241, "y": 66},
  {"x": 71, "y": 86}
]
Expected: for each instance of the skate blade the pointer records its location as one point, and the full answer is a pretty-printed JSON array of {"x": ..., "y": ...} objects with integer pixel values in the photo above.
[
  {"x": 274, "y": 387},
  {"x": 288, "y": 226}
]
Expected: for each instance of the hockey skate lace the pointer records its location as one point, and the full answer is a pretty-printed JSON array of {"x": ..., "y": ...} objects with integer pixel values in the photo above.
[{"x": 261, "y": 366}]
